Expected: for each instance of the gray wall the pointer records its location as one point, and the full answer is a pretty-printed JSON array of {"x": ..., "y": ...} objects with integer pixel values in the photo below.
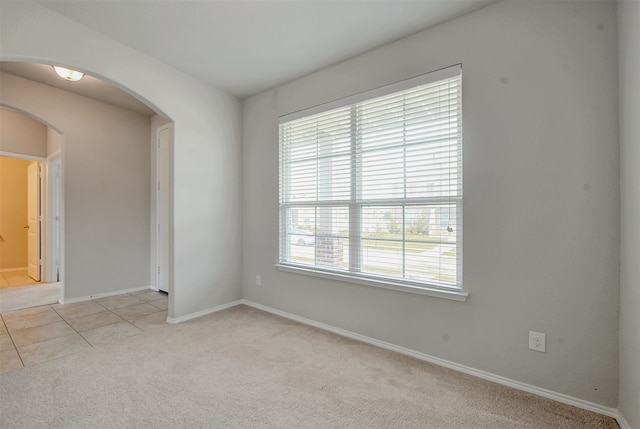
[
  {"x": 22, "y": 134},
  {"x": 629, "y": 55},
  {"x": 541, "y": 206},
  {"x": 106, "y": 185}
]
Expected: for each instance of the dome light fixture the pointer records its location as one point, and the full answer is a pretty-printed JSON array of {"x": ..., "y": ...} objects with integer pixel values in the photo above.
[{"x": 67, "y": 74}]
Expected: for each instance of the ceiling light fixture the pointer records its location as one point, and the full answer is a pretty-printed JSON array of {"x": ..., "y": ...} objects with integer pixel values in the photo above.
[{"x": 67, "y": 74}]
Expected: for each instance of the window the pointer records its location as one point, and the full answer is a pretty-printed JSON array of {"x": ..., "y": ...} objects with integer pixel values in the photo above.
[{"x": 371, "y": 186}]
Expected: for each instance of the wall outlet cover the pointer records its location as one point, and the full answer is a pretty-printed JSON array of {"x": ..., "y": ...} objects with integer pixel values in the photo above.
[{"x": 538, "y": 341}]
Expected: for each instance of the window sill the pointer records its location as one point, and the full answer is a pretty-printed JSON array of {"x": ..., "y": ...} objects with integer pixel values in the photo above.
[{"x": 455, "y": 295}]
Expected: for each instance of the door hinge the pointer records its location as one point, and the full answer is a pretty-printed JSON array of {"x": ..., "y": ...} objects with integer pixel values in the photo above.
[{"x": 158, "y": 269}]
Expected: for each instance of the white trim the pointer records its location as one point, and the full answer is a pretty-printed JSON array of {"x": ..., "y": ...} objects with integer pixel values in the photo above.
[
  {"x": 22, "y": 156},
  {"x": 559, "y": 397},
  {"x": 8, "y": 270},
  {"x": 622, "y": 422},
  {"x": 61, "y": 215},
  {"x": 103, "y": 295},
  {"x": 174, "y": 320},
  {"x": 52, "y": 195},
  {"x": 162, "y": 213},
  {"x": 455, "y": 295}
]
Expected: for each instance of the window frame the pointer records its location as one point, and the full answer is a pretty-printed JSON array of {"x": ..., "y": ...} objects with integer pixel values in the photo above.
[{"x": 355, "y": 205}]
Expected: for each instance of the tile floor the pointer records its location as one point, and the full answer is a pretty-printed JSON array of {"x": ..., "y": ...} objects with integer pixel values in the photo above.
[
  {"x": 19, "y": 297},
  {"x": 42, "y": 333},
  {"x": 15, "y": 278}
]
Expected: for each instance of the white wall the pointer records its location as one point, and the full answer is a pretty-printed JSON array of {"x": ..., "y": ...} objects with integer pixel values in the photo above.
[
  {"x": 541, "y": 162},
  {"x": 206, "y": 163},
  {"x": 629, "y": 56},
  {"x": 22, "y": 134},
  {"x": 106, "y": 185}
]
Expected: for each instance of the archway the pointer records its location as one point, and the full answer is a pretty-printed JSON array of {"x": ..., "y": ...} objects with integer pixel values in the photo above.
[
  {"x": 110, "y": 172},
  {"x": 32, "y": 258},
  {"x": 206, "y": 183}
]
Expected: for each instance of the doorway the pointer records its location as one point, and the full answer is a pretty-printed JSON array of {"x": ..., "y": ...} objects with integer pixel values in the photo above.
[
  {"x": 29, "y": 231},
  {"x": 19, "y": 221}
]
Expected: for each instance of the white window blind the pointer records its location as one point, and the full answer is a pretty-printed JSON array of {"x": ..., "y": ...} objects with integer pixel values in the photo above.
[{"x": 371, "y": 186}]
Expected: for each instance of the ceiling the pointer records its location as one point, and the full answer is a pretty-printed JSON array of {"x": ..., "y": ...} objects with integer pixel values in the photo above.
[
  {"x": 241, "y": 46},
  {"x": 88, "y": 86},
  {"x": 247, "y": 46}
]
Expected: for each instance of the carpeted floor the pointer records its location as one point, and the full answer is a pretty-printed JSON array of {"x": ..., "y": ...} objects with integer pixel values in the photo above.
[{"x": 242, "y": 368}]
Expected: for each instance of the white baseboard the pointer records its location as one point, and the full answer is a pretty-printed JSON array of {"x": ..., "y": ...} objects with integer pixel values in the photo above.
[
  {"x": 103, "y": 295},
  {"x": 559, "y": 397},
  {"x": 8, "y": 270},
  {"x": 622, "y": 422},
  {"x": 197, "y": 314}
]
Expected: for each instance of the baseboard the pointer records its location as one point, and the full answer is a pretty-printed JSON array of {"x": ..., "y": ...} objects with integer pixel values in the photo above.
[
  {"x": 559, "y": 397},
  {"x": 103, "y": 295},
  {"x": 8, "y": 270},
  {"x": 174, "y": 320},
  {"x": 622, "y": 422}
]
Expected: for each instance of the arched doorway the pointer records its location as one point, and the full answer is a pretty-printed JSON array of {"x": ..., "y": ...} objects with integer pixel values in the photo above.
[
  {"x": 109, "y": 178},
  {"x": 30, "y": 213},
  {"x": 205, "y": 250}
]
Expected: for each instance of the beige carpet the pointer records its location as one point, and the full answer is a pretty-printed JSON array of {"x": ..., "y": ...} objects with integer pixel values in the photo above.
[{"x": 242, "y": 368}]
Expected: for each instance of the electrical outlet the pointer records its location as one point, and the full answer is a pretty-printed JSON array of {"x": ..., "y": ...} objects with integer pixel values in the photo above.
[
  {"x": 258, "y": 281},
  {"x": 538, "y": 341}
]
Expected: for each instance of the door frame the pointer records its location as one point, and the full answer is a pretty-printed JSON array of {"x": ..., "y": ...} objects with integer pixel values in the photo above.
[
  {"x": 35, "y": 221},
  {"x": 161, "y": 273},
  {"x": 54, "y": 207},
  {"x": 43, "y": 209},
  {"x": 49, "y": 192}
]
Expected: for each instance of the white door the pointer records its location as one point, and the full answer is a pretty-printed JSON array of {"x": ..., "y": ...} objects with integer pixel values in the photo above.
[
  {"x": 33, "y": 218},
  {"x": 162, "y": 208}
]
